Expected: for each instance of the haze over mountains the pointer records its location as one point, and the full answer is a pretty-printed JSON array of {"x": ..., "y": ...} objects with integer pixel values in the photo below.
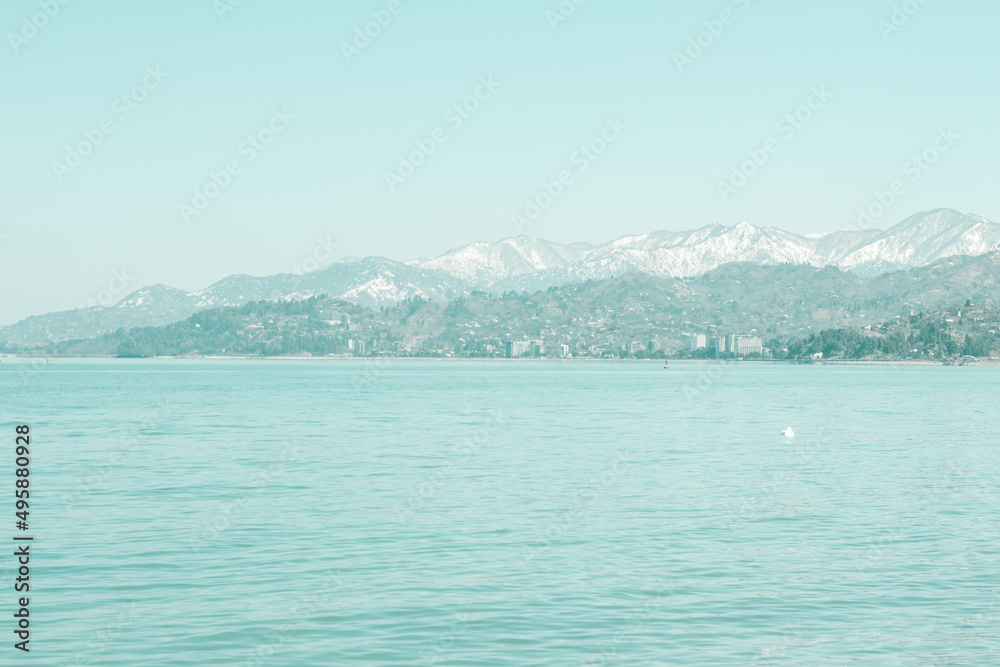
[{"x": 529, "y": 264}]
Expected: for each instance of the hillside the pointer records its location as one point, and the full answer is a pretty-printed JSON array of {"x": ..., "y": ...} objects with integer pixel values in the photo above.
[
  {"x": 527, "y": 264},
  {"x": 634, "y": 315},
  {"x": 968, "y": 331}
]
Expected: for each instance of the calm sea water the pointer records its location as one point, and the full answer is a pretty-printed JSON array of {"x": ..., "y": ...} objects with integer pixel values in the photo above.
[{"x": 465, "y": 513}]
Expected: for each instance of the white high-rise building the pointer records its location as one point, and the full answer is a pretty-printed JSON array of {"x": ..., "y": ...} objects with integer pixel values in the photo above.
[
  {"x": 520, "y": 348},
  {"x": 748, "y": 345},
  {"x": 698, "y": 341}
]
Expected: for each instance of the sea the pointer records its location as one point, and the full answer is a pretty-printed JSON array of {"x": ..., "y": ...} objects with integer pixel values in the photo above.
[{"x": 462, "y": 512}]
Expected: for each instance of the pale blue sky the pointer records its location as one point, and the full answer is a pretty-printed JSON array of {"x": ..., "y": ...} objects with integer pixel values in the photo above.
[{"x": 323, "y": 176}]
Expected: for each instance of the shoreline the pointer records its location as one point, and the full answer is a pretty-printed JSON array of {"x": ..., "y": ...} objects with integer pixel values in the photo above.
[{"x": 830, "y": 362}]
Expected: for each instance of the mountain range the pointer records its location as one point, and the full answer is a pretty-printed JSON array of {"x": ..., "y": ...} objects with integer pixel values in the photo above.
[
  {"x": 529, "y": 264},
  {"x": 626, "y": 315}
]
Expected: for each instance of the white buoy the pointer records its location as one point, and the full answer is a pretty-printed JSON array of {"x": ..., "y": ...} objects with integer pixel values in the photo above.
[{"x": 788, "y": 432}]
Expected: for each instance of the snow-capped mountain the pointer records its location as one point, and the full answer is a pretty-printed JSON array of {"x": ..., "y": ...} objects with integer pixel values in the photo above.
[
  {"x": 922, "y": 239},
  {"x": 369, "y": 282},
  {"x": 487, "y": 264},
  {"x": 527, "y": 263}
]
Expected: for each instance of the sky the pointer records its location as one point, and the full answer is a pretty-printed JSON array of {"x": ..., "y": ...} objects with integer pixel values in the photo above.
[{"x": 182, "y": 142}]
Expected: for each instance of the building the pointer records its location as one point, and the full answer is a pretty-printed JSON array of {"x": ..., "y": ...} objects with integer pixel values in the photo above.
[
  {"x": 747, "y": 345},
  {"x": 698, "y": 341},
  {"x": 717, "y": 345},
  {"x": 535, "y": 348},
  {"x": 653, "y": 346},
  {"x": 330, "y": 317}
]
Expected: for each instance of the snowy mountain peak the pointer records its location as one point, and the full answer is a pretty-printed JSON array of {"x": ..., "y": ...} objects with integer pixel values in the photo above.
[
  {"x": 744, "y": 228},
  {"x": 529, "y": 263}
]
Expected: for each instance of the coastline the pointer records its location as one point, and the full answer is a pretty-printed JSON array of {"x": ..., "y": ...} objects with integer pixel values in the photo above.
[{"x": 829, "y": 362}]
